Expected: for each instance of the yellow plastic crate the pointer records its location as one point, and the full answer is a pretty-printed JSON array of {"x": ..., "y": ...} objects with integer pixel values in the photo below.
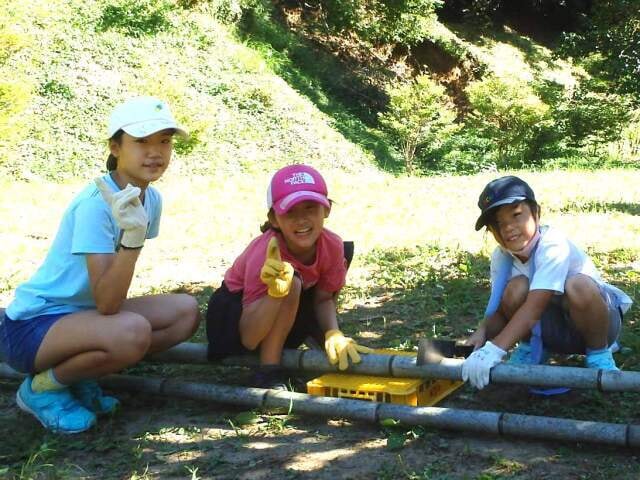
[{"x": 416, "y": 392}]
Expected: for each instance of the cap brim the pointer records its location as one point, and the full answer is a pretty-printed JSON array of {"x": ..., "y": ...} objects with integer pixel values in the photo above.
[
  {"x": 285, "y": 204},
  {"x": 482, "y": 219},
  {"x": 144, "y": 129}
]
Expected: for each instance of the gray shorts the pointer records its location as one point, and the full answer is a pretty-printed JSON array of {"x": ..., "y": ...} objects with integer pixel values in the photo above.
[{"x": 559, "y": 334}]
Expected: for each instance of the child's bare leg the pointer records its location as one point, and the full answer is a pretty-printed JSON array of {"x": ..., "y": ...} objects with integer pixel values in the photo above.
[
  {"x": 514, "y": 296},
  {"x": 588, "y": 310},
  {"x": 268, "y": 321},
  {"x": 89, "y": 345},
  {"x": 173, "y": 318},
  {"x": 86, "y": 345},
  {"x": 271, "y": 346}
]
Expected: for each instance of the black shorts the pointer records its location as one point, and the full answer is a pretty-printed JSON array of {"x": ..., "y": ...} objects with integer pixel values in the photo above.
[{"x": 223, "y": 322}]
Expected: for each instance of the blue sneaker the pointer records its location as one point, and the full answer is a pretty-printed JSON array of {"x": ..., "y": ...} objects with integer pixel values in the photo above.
[
  {"x": 615, "y": 347},
  {"x": 523, "y": 355},
  {"x": 89, "y": 394},
  {"x": 600, "y": 359},
  {"x": 56, "y": 410}
]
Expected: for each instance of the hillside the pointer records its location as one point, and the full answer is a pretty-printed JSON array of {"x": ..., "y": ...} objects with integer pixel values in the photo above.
[
  {"x": 72, "y": 61},
  {"x": 268, "y": 87}
]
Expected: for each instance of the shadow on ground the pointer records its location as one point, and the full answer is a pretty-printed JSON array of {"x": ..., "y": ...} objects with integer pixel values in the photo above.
[
  {"x": 594, "y": 206},
  {"x": 416, "y": 292}
]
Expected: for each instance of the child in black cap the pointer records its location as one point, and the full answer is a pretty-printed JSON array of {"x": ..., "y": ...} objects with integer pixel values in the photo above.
[{"x": 546, "y": 293}]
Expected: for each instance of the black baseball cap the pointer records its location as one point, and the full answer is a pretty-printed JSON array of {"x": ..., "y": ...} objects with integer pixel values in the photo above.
[{"x": 502, "y": 191}]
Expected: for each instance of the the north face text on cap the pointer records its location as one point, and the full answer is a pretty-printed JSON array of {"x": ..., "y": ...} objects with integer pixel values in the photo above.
[{"x": 300, "y": 178}]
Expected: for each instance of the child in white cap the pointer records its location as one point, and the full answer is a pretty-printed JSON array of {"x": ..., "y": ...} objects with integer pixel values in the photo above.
[
  {"x": 546, "y": 293},
  {"x": 72, "y": 322},
  {"x": 282, "y": 288}
]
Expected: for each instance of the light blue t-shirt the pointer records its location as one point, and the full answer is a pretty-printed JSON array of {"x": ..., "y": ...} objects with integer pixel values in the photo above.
[{"x": 61, "y": 284}]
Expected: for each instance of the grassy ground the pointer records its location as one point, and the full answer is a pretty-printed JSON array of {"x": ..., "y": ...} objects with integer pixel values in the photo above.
[{"x": 419, "y": 269}]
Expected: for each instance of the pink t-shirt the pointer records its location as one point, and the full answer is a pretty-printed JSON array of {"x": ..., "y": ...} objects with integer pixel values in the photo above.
[{"x": 328, "y": 271}]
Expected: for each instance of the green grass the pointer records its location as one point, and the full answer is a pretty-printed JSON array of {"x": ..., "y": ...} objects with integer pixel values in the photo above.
[
  {"x": 420, "y": 269},
  {"x": 73, "y": 61},
  {"x": 253, "y": 105},
  {"x": 252, "y": 101}
]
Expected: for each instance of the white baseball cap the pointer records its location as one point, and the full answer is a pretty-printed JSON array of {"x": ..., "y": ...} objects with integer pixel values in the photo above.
[{"x": 141, "y": 117}]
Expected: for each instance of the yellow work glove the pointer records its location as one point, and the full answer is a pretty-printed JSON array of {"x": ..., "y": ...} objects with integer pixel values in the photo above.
[
  {"x": 276, "y": 274},
  {"x": 127, "y": 211},
  {"x": 340, "y": 348}
]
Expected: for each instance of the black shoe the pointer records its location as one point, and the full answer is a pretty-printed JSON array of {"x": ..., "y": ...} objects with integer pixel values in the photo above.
[{"x": 272, "y": 377}]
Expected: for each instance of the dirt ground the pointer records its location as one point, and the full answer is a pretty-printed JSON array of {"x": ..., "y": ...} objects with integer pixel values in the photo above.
[{"x": 163, "y": 437}]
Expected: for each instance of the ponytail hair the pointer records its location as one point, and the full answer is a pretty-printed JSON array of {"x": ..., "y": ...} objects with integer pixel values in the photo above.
[
  {"x": 268, "y": 225},
  {"x": 112, "y": 162}
]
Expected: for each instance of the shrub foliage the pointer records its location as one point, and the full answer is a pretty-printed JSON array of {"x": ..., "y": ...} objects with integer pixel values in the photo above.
[
  {"x": 418, "y": 116},
  {"x": 65, "y": 63}
]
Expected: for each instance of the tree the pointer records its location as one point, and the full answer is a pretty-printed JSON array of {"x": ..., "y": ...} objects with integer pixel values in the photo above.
[
  {"x": 419, "y": 114},
  {"x": 508, "y": 111},
  {"x": 611, "y": 41},
  {"x": 382, "y": 21}
]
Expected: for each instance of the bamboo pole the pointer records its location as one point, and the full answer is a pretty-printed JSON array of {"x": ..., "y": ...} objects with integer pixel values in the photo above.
[
  {"x": 510, "y": 424},
  {"x": 497, "y": 423},
  {"x": 403, "y": 366}
]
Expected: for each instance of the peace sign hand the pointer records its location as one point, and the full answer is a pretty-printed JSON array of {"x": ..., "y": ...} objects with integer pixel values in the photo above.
[{"x": 127, "y": 211}]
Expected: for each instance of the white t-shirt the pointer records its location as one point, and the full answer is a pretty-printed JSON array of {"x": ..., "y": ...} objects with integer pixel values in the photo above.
[{"x": 556, "y": 259}]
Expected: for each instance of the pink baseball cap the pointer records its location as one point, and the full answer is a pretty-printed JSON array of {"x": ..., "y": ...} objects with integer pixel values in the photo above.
[{"x": 294, "y": 184}]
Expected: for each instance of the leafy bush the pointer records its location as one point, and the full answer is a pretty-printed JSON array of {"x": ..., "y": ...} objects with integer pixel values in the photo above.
[
  {"x": 612, "y": 34},
  {"x": 507, "y": 111},
  {"x": 418, "y": 115},
  {"x": 584, "y": 119},
  {"x": 627, "y": 148},
  {"x": 136, "y": 17},
  {"x": 54, "y": 88},
  {"x": 463, "y": 152},
  {"x": 588, "y": 118},
  {"x": 225, "y": 11},
  {"x": 380, "y": 21}
]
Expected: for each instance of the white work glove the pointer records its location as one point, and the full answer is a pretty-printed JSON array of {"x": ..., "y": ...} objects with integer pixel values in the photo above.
[
  {"x": 477, "y": 367},
  {"x": 128, "y": 212}
]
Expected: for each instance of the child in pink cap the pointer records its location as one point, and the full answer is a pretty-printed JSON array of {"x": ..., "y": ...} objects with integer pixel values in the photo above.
[{"x": 282, "y": 288}]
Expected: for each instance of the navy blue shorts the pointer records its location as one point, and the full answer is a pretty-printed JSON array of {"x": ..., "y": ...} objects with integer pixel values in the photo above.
[
  {"x": 20, "y": 340},
  {"x": 559, "y": 334}
]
